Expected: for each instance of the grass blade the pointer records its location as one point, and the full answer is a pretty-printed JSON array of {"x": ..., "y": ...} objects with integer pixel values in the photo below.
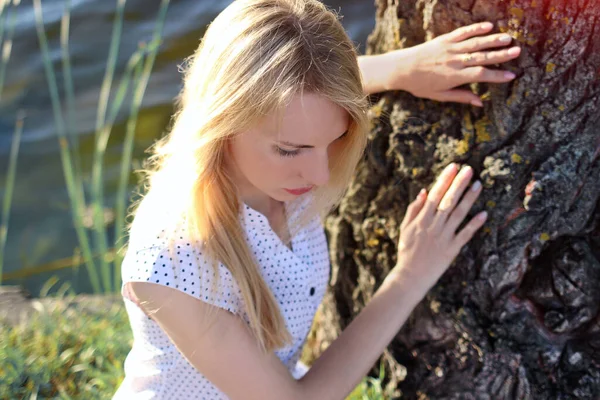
[
  {"x": 3, "y": 17},
  {"x": 12, "y": 162},
  {"x": 10, "y": 183},
  {"x": 70, "y": 102},
  {"x": 102, "y": 136},
  {"x": 6, "y": 45},
  {"x": 110, "y": 64},
  {"x": 130, "y": 134},
  {"x": 64, "y": 146}
]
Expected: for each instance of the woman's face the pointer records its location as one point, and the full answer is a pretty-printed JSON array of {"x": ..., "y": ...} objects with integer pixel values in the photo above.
[{"x": 268, "y": 159}]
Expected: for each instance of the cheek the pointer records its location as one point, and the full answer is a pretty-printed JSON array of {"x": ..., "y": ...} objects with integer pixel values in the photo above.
[
  {"x": 277, "y": 167},
  {"x": 261, "y": 164}
]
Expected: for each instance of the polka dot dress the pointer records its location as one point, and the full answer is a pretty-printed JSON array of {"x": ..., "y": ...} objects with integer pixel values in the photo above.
[{"x": 154, "y": 368}]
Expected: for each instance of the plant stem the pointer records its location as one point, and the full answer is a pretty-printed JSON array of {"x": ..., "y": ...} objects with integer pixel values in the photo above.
[
  {"x": 70, "y": 96},
  {"x": 130, "y": 134},
  {"x": 6, "y": 43},
  {"x": 10, "y": 183},
  {"x": 102, "y": 135},
  {"x": 64, "y": 148}
]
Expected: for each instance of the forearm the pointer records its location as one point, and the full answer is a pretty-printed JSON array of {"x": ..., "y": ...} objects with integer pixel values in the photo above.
[
  {"x": 377, "y": 70},
  {"x": 348, "y": 359}
]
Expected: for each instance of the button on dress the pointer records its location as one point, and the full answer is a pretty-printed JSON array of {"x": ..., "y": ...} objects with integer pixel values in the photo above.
[{"x": 154, "y": 368}]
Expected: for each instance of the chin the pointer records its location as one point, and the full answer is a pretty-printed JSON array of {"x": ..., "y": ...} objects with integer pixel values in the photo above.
[{"x": 282, "y": 195}]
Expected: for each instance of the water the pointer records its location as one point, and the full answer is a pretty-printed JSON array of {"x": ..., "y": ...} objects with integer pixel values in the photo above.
[{"x": 41, "y": 229}]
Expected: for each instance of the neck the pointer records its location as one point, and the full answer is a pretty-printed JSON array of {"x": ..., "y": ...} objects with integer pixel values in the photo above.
[{"x": 264, "y": 204}]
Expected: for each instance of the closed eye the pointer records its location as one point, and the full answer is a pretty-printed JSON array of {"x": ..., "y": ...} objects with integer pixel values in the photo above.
[
  {"x": 285, "y": 153},
  {"x": 292, "y": 153}
]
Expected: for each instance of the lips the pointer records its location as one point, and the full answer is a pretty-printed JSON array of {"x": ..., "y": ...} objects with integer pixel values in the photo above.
[{"x": 299, "y": 191}]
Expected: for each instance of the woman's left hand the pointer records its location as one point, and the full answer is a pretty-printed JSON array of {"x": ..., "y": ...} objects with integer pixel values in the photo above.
[{"x": 450, "y": 60}]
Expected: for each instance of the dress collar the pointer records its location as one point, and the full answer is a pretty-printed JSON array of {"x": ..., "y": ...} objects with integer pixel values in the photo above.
[
  {"x": 292, "y": 209},
  {"x": 256, "y": 221}
]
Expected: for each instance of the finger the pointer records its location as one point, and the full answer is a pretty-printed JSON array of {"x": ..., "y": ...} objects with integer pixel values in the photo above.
[
  {"x": 468, "y": 31},
  {"x": 482, "y": 74},
  {"x": 460, "y": 212},
  {"x": 482, "y": 43},
  {"x": 469, "y": 230},
  {"x": 414, "y": 208},
  {"x": 459, "y": 96},
  {"x": 451, "y": 197},
  {"x": 489, "y": 57},
  {"x": 437, "y": 192}
]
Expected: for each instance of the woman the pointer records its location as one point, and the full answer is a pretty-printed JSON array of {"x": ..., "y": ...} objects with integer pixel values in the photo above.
[{"x": 227, "y": 260}]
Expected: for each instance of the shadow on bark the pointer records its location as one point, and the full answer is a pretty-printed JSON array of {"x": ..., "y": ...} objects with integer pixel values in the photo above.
[{"x": 517, "y": 314}]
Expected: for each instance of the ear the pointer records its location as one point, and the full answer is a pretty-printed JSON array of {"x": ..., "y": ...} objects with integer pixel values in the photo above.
[{"x": 229, "y": 141}]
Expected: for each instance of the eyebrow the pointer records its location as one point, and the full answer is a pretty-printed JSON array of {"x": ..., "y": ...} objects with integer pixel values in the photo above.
[{"x": 307, "y": 146}]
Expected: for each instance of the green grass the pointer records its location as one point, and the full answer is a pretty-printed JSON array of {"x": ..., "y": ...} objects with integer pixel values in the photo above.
[
  {"x": 65, "y": 352},
  {"x": 370, "y": 388}
]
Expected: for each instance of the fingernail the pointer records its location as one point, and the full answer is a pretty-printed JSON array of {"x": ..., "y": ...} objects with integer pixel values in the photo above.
[
  {"x": 477, "y": 103},
  {"x": 509, "y": 75},
  {"x": 421, "y": 193},
  {"x": 476, "y": 186},
  {"x": 513, "y": 51},
  {"x": 505, "y": 38},
  {"x": 487, "y": 25},
  {"x": 450, "y": 167},
  {"x": 482, "y": 216}
]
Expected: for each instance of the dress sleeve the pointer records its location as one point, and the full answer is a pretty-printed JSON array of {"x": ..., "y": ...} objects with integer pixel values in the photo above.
[{"x": 188, "y": 271}]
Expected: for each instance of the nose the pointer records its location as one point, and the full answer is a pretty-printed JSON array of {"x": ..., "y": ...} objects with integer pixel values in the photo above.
[{"x": 316, "y": 170}]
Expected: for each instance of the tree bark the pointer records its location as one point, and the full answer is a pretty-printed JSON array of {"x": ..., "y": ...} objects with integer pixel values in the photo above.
[{"x": 516, "y": 316}]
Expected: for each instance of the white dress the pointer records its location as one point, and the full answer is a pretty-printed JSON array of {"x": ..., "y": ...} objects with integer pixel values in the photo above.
[{"x": 154, "y": 368}]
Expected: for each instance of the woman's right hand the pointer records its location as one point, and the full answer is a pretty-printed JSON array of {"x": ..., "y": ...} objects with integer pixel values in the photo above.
[{"x": 428, "y": 240}]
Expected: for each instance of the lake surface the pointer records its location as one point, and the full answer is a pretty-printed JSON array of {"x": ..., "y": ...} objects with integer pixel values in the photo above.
[{"x": 40, "y": 228}]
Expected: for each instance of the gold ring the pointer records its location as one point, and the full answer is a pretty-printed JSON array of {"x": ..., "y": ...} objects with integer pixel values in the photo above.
[
  {"x": 467, "y": 57},
  {"x": 444, "y": 207}
]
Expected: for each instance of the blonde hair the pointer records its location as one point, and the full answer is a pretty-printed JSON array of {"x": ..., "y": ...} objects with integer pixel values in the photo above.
[{"x": 254, "y": 57}]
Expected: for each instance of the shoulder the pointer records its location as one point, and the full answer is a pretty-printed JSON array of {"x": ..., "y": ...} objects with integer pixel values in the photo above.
[{"x": 163, "y": 254}]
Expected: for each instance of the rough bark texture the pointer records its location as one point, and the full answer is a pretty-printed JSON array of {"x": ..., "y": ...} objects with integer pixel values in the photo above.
[{"x": 517, "y": 314}]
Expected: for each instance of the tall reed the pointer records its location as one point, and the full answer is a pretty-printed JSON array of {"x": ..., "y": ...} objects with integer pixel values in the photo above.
[
  {"x": 10, "y": 183},
  {"x": 103, "y": 130},
  {"x": 138, "y": 95},
  {"x": 69, "y": 91},
  {"x": 100, "y": 276},
  {"x": 6, "y": 43}
]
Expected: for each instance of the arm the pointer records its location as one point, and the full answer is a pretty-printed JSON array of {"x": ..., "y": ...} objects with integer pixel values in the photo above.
[
  {"x": 432, "y": 69},
  {"x": 375, "y": 70},
  {"x": 350, "y": 357},
  {"x": 224, "y": 350},
  {"x": 226, "y": 353},
  {"x": 428, "y": 243}
]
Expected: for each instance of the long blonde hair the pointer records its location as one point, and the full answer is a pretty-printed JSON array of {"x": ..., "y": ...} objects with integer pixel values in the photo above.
[{"x": 254, "y": 57}]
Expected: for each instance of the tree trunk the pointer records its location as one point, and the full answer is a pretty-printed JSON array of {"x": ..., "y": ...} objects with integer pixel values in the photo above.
[{"x": 516, "y": 316}]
